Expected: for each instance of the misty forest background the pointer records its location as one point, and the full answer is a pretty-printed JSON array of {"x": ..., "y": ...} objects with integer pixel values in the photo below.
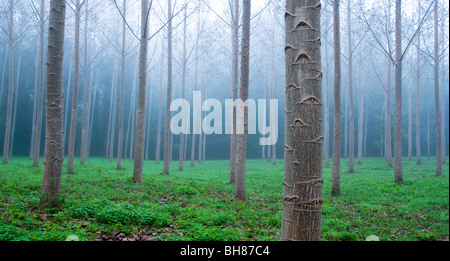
[
  {"x": 214, "y": 70},
  {"x": 205, "y": 54}
]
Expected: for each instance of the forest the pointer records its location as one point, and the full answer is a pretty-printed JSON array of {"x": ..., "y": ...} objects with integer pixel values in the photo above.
[{"x": 225, "y": 120}]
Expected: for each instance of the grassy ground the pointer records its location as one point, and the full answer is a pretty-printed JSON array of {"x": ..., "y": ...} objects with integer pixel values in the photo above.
[{"x": 101, "y": 203}]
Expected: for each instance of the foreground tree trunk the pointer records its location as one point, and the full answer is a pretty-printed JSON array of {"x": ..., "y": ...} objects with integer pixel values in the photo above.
[
  {"x": 76, "y": 78},
  {"x": 336, "y": 172},
  {"x": 183, "y": 91},
  {"x": 54, "y": 156},
  {"x": 398, "y": 167},
  {"x": 243, "y": 112},
  {"x": 302, "y": 196},
  {"x": 141, "y": 108}
]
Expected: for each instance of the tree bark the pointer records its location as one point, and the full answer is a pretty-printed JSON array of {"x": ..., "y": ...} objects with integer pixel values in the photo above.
[
  {"x": 141, "y": 108},
  {"x": 336, "y": 170},
  {"x": 35, "y": 90},
  {"x": 16, "y": 95},
  {"x": 158, "y": 135},
  {"x": 76, "y": 78},
  {"x": 183, "y": 90},
  {"x": 122, "y": 89},
  {"x": 40, "y": 106},
  {"x": 169, "y": 91},
  {"x": 240, "y": 192},
  {"x": 85, "y": 89},
  {"x": 398, "y": 167},
  {"x": 66, "y": 107},
  {"x": 388, "y": 117},
  {"x": 114, "y": 112},
  {"x": 351, "y": 150},
  {"x": 10, "y": 84},
  {"x": 360, "y": 109},
  {"x": 436, "y": 93},
  {"x": 54, "y": 156},
  {"x": 302, "y": 196},
  {"x": 418, "y": 133}
]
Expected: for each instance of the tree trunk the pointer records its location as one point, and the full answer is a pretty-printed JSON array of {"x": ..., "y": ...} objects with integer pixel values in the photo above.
[
  {"x": 10, "y": 84},
  {"x": 169, "y": 91},
  {"x": 240, "y": 192},
  {"x": 336, "y": 170},
  {"x": 351, "y": 161},
  {"x": 122, "y": 88},
  {"x": 158, "y": 135},
  {"x": 436, "y": 93},
  {"x": 327, "y": 101},
  {"x": 398, "y": 167},
  {"x": 141, "y": 108},
  {"x": 35, "y": 90},
  {"x": 85, "y": 88},
  {"x": 388, "y": 117},
  {"x": 410, "y": 144},
  {"x": 54, "y": 156},
  {"x": 183, "y": 91},
  {"x": 16, "y": 95},
  {"x": 302, "y": 196},
  {"x": 418, "y": 140},
  {"x": 148, "y": 124},
  {"x": 66, "y": 107},
  {"x": 360, "y": 109},
  {"x": 76, "y": 78},
  {"x": 40, "y": 103},
  {"x": 2, "y": 83},
  {"x": 114, "y": 112}
]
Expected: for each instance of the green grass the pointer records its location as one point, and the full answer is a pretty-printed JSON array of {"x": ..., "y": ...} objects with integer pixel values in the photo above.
[{"x": 198, "y": 204}]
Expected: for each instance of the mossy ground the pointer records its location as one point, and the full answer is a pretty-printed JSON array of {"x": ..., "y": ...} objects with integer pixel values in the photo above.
[{"x": 99, "y": 202}]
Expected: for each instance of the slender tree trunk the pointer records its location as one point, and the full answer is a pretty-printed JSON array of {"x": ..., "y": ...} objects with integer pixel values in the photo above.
[
  {"x": 336, "y": 172},
  {"x": 92, "y": 106},
  {"x": 183, "y": 91},
  {"x": 35, "y": 90},
  {"x": 85, "y": 88},
  {"x": 148, "y": 126},
  {"x": 234, "y": 84},
  {"x": 114, "y": 112},
  {"x": 443, "y": 106},
  {"x": 158, "y": 135},
  {"x": 109, "y": 123},
  {"x": 351, "y": 167},
  {"x": 122, "y": 88},
  {"x": 428, "y": 133},
  {"x": 2, "y": 84},
  {"x": 410, "y": 143},
  {"x": 141, "y": 108},
  {"x": 418, "y": 133},
  {"x": 388, "y": 118},
  {"x": 398, "y": 167},
  {"x": 127, "y": 149},
  {"x": 360, "y": 109},
  {"x": 10, "y": 84},
  {"x": 40, "y": 103},
  {"x": 302, "y": 196},
  {"x": 169, "y": 91},
  {"x": 76, "y": 78},
  {"x": 54, "y": 157},
  {"x": 436, "y": 93},
  {"x": 327, "y": 101},
  {"x": 66, "y": 110},
  {"x": 16, "y": 94},
  {"x": 240, "y": 192},
  {"x": 366, "y": 125}
]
